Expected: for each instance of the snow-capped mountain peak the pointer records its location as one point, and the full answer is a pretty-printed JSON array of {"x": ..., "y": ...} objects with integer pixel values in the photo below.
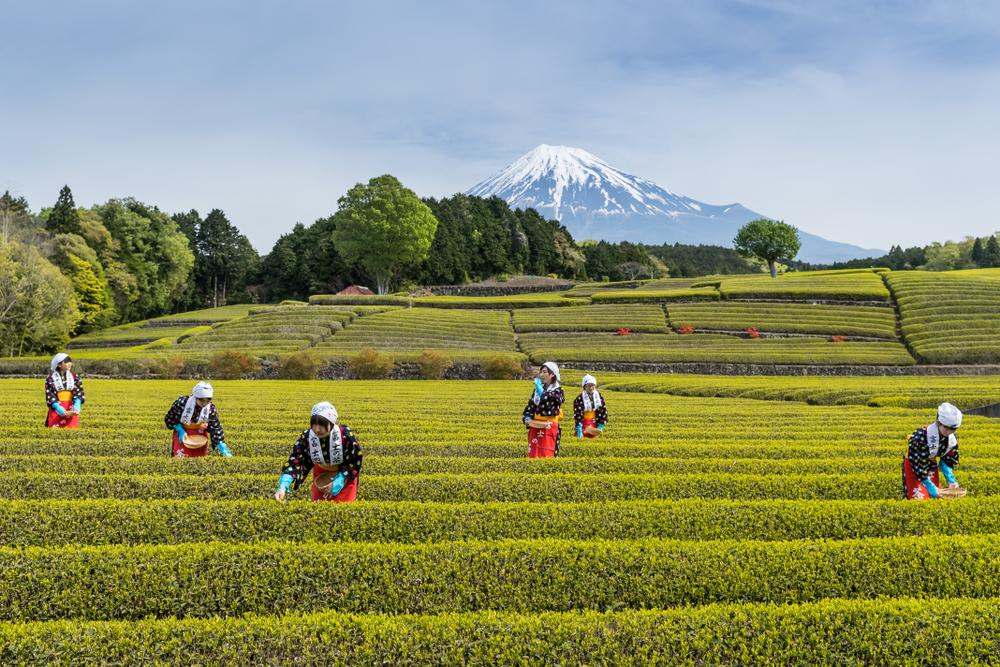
[
  {"x": 560, "y": 180},
  {"x": 594, "y": 200}
]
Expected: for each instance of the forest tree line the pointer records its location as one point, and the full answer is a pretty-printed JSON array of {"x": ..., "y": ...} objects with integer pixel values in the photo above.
[{"x": 68, "y": 270}]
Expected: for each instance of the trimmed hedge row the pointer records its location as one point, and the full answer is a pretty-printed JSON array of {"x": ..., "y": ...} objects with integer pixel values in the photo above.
[
  {"x": 447, "y": 488},
  {"x": 51, "y": 523},
  {"x": 539, "y": 300},
  {"x": 851, "y": 632},
  {"x": 858, "y": 286},
  {"x": 710, "y": 349},
  {"x": 393, "y": 466},
  {"x": 358, "y": 300},
  {"x": 121, "y": 583},
  {"x": 663, "y": 296},
  {"x": 638, "y": 319}
]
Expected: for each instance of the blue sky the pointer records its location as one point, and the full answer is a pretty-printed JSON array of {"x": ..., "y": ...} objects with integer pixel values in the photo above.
[{"x": 872, "y": 123}]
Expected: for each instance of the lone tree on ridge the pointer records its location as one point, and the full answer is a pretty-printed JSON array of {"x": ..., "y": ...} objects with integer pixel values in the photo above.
[
  {"x": 383, "y": 227},
  {"x": 768, "y": 240}
]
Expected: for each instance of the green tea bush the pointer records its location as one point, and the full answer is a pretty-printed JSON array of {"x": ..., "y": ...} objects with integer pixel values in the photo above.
[
  {"x": 232, "y": 365},
  {"x": 299, "y": 365},
  {"x": 371, "y": 365},
  {"x": 502, "y": 367},
  {"x": 434, "y": 364}
]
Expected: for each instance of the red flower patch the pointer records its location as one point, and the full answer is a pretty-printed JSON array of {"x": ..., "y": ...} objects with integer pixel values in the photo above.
[
  {"x": 686, "y": 329},
  {"x": 622, "y": 332},
  {"x": 836, "y": 339},
  {"x": 753, "y": 332}
]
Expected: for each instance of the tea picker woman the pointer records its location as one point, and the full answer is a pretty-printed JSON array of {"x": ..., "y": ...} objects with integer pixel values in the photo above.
[
  {"x": 542, "y": 414},
  {"x": 63, "y": 394},
  {"x": 331, "y": 452},
  {"x": 196, "y": 424},
  {"x": 590, "y": 413},
  {"x": 927, "y": 443}
]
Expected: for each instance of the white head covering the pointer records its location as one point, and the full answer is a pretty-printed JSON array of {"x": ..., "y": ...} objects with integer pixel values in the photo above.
[
  {"x": 203, "y": 390},
  {"x": 56, "y": 360},
  {"x": 589, "y": 379},
  {"x": 949, "y": 415},
  {"x": 326, "y": 411},
  {"x": 551, "y": 365}
]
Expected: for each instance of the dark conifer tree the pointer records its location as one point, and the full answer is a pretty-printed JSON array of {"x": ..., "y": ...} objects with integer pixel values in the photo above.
[{"x": 64, "y": 218}]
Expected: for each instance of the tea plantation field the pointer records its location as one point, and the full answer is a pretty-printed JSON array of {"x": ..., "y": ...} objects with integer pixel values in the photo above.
[
  {"x": 851, "y": 318},
  {"x": 699, "y": 530}
]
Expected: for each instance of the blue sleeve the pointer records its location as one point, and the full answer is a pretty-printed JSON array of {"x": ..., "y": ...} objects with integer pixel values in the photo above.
[
  {"x": 932, "y": 490},
  {"x": 947, "y": 472}
]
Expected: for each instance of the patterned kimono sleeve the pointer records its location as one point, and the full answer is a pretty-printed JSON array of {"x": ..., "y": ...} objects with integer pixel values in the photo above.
[
  {"x": 78, "y": 390},
  {"x": 602, "y": 412},
  {"x": 918, "y": 454},
  {"x": 951, "y": 458},
  {"x": 173, "y": 417},
  {"x": 300, "y": 462},
  {"x": 214, "y": 428},
  {"x": 578, "y": 410},
  {"x": 529, "y": 413},
  {"x": 352, "y": 455},
  {"x": 558, "y": 398},
  {"x": 51, "y": 395}
]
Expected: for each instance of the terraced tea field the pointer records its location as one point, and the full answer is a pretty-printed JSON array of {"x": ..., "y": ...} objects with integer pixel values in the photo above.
[{"x": 697, "y": 531}]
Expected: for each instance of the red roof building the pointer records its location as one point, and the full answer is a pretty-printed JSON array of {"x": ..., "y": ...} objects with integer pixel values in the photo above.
[{"x": 357, "y": 289}]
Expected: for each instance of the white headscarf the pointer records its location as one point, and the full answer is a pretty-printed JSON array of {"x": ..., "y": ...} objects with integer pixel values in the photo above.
[
  {"x": 536, "y": 398},
  {"x": 326, "y": 411},
  {"x": 329, "y": 413},
  {"x": 56, "y": 360},
  {"x": 201, "y": 390},
  {"x": 949, "y": 415},
  {"x": 57, "y": 380},
  {"x": 588, "y": 404},
  {"x": 551, "y": 365}
]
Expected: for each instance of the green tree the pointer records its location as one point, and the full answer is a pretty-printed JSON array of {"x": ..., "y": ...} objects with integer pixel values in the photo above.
[
  {"x": 13, "y": 211},
  {"x": 153, "y": 252},
  {"x": 768, "y": 240},
  {"x": 991, "y": 255},
  {"x": 79, "y": 262},
  {"x": 37, "y": 303},
  {"x": 64, "y": 218},
  {"x": 385, "y": 228},
  {"x": 977, "y": 252}
]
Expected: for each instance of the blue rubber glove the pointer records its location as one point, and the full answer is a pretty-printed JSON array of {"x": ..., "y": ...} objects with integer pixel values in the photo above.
[
  {"x": 180, "y": 432},
  {"x": 224, "y": 450},
  {"x": 76, "y": 405},
  {"x": 539, "y": 387},
  {"x": 59, "y": 409},
  {"x": 947, "y": 472},
  {"x": 600, "y": 427},
  {"x": 579, "y": 430},
  {"x": 338, "y": 484},
  {"x": 285, "y": 482},
  {"x": 932, "y": 490}
]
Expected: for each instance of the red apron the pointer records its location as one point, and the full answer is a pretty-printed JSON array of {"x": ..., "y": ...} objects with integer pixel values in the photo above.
[
  {"x": 348, "y": 494},
  {"x": 183, "y": 451},
  {"x": 589, "y": 419},
  {"x": 912, "y": 489},
  {"x": 542, "y": 441},
  {"x": 61, "y": 421}
]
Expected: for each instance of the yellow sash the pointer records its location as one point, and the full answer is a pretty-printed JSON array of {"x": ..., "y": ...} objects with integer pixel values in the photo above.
[
  {"x": 327, "y": 468},
  {"x": 64, "y": 395},
  {"x": 590, "y": 414},
  {"x": 556, "y": 418}
]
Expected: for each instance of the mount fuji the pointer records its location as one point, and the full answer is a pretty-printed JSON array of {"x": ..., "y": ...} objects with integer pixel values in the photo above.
[{"x": 597, "y": 201}]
